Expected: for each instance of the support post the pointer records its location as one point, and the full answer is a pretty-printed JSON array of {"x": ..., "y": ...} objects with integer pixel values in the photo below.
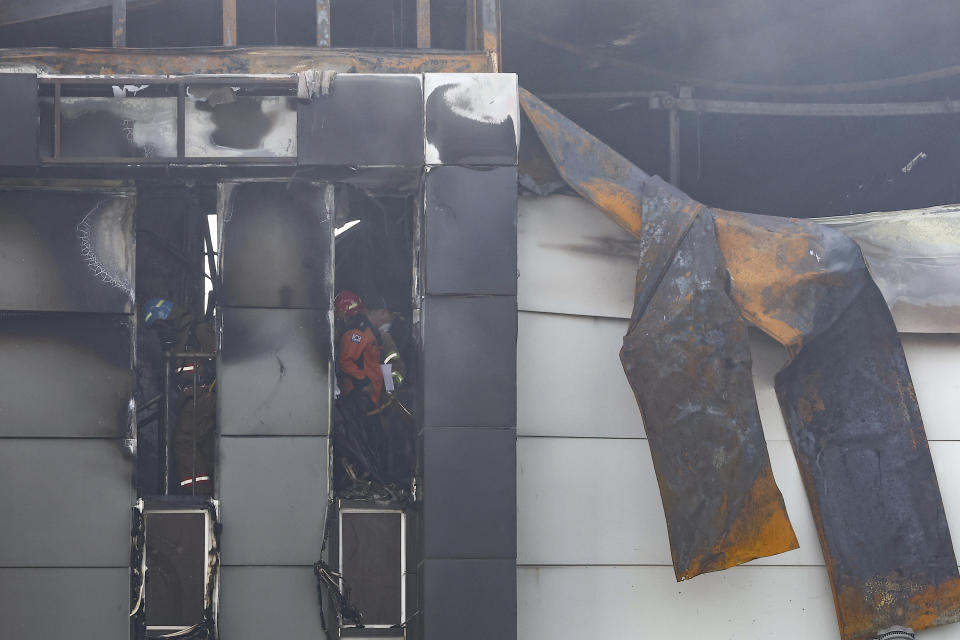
[
  {"x": 229, "y": 23},
  {"x": 323, "y": 23},
  {"x": 488, "y": 29},
  {"x": 470, "y": 44},
  {"x": 674, "y": 147},
  {"x": 119, "y": 23},
  {"x": 423, "y": 24}
]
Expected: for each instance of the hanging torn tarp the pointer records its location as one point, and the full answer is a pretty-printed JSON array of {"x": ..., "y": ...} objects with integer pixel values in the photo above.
[{"x": 846, "y": 394}]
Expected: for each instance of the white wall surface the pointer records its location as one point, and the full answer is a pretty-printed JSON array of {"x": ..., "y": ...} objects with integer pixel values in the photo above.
[{"x": 593, "y": 557}]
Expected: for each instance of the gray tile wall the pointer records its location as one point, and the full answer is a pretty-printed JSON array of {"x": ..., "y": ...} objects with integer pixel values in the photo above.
[
  {"x": 65, "y": 398},
  {"x": 468, "y": 332},
  {"x": 274, "y": 410}
]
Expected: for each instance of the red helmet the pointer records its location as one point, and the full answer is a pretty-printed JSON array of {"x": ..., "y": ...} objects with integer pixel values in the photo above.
[{"x": 347, "y": 304}]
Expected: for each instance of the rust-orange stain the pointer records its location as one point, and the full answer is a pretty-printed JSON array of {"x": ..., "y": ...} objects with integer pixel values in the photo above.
[
  {"x": 884, "y": 601},
  {"x": 760, "y": 529}
]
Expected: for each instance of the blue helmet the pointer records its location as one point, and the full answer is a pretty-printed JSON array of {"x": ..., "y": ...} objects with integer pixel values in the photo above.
[{"x": 156, "y": 309}]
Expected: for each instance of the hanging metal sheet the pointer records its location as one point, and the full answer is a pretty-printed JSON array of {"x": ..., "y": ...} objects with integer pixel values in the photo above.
[
  {"x": 846, "y": 394},
  {"x": 687, "y": 358}
]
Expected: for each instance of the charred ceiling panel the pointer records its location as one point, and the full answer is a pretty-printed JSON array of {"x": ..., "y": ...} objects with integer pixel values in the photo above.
[
  {"x": 378, "y": 122},
  {"x": 118, "y": 127},
  {"x": 276, "y": 245},
  {"x": 84, "y": 361},
  {"x": 274, "y": 372},
  {"x": 66, "y": 250},
  {"x": 221, "y": 124},
  {"x": 846, "y": 393},
  {"x": 20, "y": 117},
  {"x": 472, "y": 119}
]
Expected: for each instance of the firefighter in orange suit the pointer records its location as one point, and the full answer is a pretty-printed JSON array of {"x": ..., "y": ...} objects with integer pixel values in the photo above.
[{"x": 358, "y": 360}]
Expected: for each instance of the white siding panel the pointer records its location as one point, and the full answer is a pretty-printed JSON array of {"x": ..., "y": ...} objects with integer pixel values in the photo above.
[
  {"x": 570, "y": 382},
  {"x": 934, "y": 362},
  {"x": 645, "y": 603},
  {"x": 617, "y": 603},
  {"x": 596, "y": 502},
  {"x": 573, "y": 259},
  {"x": 569, "y": 378}
]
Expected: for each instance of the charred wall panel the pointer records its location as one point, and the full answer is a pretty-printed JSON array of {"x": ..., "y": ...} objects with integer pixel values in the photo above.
[
  {"x": 292, "y": 594},
  {"x": 470, "y": 507},
  {"x": 65, "y": 375},
  {"x": 470, "y": 229},
  {"x": 222, "y": 125},
  {"x": 469, "y": 599},
  {"x": 117, "y": 128},
  {"x": 469, "y": 361},
  {"x": 276, "y": 246},
  {"x": 364, "y": 120},
  {"x": 471, "y": 119},
  {"x": 274, "y": 372},
  {"x": 468, "y": 332},
  {"x": 66, "y": 503},
  {"x": 66, "y": 250},
  {"x": 46, "y": 604},
  {"x": 274, "y": 499},
  {"x": 19, "y": 113}
]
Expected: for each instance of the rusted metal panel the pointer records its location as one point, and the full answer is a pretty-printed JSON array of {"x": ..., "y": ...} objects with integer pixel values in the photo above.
[
  {"x": 254, "y": 60},
  {"x": 687, "y": 357},
  {"x": 859, "y": 439},
  {"x": 846, "y": 392}
]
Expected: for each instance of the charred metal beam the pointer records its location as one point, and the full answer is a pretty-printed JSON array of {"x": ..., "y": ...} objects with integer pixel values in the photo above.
[
  {"x": 323, "y": 23},
  {"x": 119, "y": 21},
  {"x": 229, "y": 16},
  {"x": 218, "y": 61},
  {"x": 423, "y": 24},
  {"x": 806, "y": 109},
  {"x": 18, "y": 11},
  {"x": 489, "y": 33},
  {"x": 846, "y": 394}
]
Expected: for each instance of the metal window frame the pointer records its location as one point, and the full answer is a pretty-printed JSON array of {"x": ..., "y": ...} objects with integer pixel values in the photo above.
[
  {"x": 281, "y": 82},
  {"x": 354, "y": 508},
  {"x": 208, "y": 547}
]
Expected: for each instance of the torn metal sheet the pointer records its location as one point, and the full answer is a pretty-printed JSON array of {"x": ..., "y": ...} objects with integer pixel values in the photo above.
[
  {"x": 118, "y": 128},
  {"x": 66, "y": 249},
  {"x": 846, "y": 394},
  {"x": 240, "y": 126},
  {"x": 914, "y": 257},
  {"x": 700, "y": 411},
  {"x": 858, "y": 436}
]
